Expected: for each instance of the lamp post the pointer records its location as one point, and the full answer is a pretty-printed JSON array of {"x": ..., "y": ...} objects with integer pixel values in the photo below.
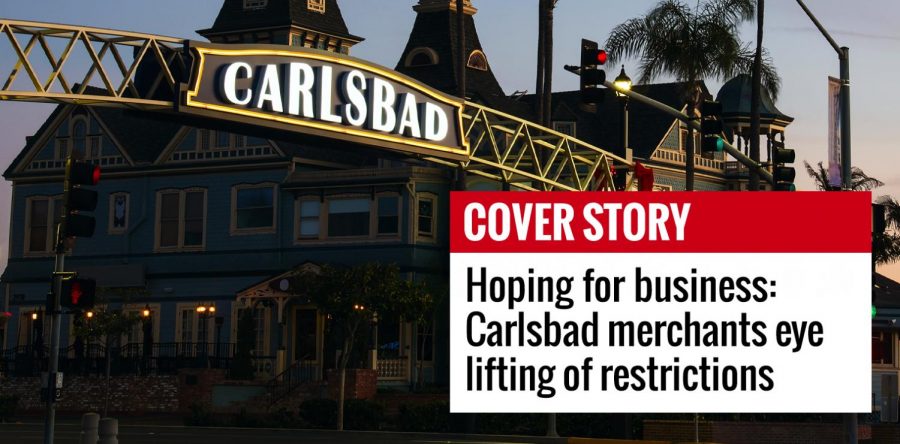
[
  {"x": 147, "y": 317},
  {"x": 204, "y": 313},
  {"x": 623, "y": 82}
]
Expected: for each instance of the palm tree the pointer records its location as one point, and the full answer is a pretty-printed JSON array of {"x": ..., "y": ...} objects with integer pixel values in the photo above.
[
  {"x": 859, "y": 180},
  {"x": 691, "y": 44},
  {"x": 885, "y": 246}
]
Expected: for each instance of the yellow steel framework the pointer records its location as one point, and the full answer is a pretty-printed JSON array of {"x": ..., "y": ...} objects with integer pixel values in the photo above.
[{"x": 504, "y": 148}]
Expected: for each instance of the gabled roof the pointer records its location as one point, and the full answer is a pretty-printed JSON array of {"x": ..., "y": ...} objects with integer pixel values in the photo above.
[
  {"x": 886, "y": 292},
  {"x": 280, "y": 14},
  {"x": 603, "y": 127}
]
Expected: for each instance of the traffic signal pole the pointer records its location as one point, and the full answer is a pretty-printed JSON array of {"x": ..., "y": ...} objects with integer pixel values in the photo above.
[
  {"x": 55, "y": 312},
  {"x": 729, "y": 148},
  {"x": 844, "y": 58}
]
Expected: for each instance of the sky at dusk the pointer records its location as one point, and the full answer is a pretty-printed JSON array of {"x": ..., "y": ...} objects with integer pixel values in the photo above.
[{"x": 507, "y": 29}]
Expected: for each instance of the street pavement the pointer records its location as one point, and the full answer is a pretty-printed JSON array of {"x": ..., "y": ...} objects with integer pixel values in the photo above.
[{"x": 32, "y": 433}]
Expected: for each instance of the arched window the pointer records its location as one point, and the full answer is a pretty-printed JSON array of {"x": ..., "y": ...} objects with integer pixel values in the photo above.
[
  {"x": 477, "y": 60},
  {"x": 421, "y": 57}
]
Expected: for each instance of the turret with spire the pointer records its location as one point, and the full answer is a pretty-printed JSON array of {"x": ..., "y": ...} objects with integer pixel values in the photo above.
[{"x": 309, "y": 23}]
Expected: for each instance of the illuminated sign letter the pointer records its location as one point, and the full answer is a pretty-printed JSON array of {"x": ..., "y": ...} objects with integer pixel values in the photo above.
[
  {"x": 408, "y": 115},
  {"x": 353, "y": 86},
  {"x": 229, "y": 87},
  {"x": 300, "y": 83},
  {"x": 326, "y": 102},
  {"x": 383, "y": 97},
  {"x": 436, "y": 123},
  {"x": 270, "y": 91}
]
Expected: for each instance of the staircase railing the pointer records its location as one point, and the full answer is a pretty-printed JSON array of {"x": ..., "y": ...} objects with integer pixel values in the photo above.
[{"x": 298, "y": 373}]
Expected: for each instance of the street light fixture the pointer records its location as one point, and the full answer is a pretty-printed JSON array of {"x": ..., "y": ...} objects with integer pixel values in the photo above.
[
  {"x": 623, "y": 82},
  {"x": 146, "y": 312}
]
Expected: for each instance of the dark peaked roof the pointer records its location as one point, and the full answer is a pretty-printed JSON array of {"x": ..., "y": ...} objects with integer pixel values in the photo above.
[
  {"x": 886, "y": 292},
  {"x": 281, "y": 13},
  {"x": 735, "y": 96},
  {"x": 438, "y": 30},
  {"x": 603, "y": 127}
]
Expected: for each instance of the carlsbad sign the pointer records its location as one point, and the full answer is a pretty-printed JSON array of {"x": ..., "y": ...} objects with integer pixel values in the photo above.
[{"x": 324, "y": 94}]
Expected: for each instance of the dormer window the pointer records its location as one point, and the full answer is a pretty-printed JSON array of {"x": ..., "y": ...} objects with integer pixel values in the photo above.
[
  {"x": 421, "y": 57},
  {"x": 316, "y": 5},
  {"x": 255, "y": 4},
  {"x": 477, "y": 60}
]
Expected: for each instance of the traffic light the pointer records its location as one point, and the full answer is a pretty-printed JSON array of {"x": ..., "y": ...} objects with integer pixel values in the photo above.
[
  {"x": 79, "y": 199},
  {"x": 78, "y": 294},
  {"x": 711, "y": 127},
  {"x": 592, "y": 77},
  {"x": 782, "y": 174}
]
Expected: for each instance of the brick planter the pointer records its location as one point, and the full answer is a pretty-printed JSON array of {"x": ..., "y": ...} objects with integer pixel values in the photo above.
[{"x": 359, "y": 383}]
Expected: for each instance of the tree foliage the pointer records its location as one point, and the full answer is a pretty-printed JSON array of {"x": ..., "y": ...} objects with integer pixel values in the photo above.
[{"x": 691, "y": 44}]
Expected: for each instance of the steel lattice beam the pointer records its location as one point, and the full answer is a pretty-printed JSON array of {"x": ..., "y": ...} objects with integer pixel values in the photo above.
[{"x": 504, "y": 148}]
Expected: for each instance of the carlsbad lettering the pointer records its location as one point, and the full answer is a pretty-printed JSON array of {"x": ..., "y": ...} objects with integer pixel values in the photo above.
[{"x": 351, "y": 98}]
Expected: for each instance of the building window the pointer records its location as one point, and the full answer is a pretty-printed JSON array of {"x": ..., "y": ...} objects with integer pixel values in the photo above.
[
  {"x": 349, "y": 217},
  {"x": 253, "y": 208},
  {"x": 388, "y": 215},
  {"x": 223, "y": 140},
  {"x": 296, "y": 40},
  {"x": 260, "y": 330},
  {"x": 181, "y": 219},
  {"x": 425, "y": 216},
  {"x": 255, "y": 4},
  {"x": 425, "y": 342},
  {"x": 310, "y": 214},
  {"x": 567, "y": 128},
  {"x": 41, "y": 216},
  {"x": 421, "y": 57},
  {"x": 316, "y": 5},
  {"x": 882, "y": 347},
  {"x": 118, "y": 213},
  {"x": 477, "y": 60}
]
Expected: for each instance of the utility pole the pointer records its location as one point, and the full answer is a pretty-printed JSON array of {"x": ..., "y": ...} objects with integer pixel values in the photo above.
[
  {"x": 850, "y": 419},
  {"x": 844, "y": 58},
  {"x": 54, "y": 311}
]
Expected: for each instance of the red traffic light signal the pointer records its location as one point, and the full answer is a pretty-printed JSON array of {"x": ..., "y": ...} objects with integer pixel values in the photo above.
[
  {"x": 79, "y": 199},
  {"x": 83, "y": 173},
  {"x": 78, "y": 294}
]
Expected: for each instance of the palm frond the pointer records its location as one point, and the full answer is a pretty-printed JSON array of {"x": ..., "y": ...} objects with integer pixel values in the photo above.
[
  {"x": 860, "y": 181},
  {"x": 891, "y": 211},
  {"x": 732, "y": 12},
  {"x": 819, "y": 176}
]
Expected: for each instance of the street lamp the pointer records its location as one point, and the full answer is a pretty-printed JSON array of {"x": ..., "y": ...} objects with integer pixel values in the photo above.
[
  {"x": 148, "y": 338},
  {"x": 204, "y": 313},
  {"x": 623, "y": 82}
]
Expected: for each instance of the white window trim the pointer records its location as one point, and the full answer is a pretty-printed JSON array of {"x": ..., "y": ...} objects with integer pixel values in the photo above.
[
  {"x": 234, "y": 230},
  {"x": 181, "y": 212},
  {"x": 267, "y": 333},
  {"x": 472, "y": 56},
  {"x": 316, "y": 6},
  {"x": 399, "y": 215},
  {"x": 434, "y": 209},
  {"x": 195, "y": 323},
  {"x": 112, "y": 211},
  {"x": 138, "y": 308},
  {"x": 51, "y": 226},
  {"x": 373, "y": 235}
]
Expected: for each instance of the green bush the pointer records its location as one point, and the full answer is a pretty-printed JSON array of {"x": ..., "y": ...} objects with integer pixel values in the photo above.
[
  {"x": 319, "y": 413},
  {"x": 432, "y": 417},
  {"x": 200, "y": 416},
  {"x": 8, "y": 406},
  {"x": 360, "y": 414}
]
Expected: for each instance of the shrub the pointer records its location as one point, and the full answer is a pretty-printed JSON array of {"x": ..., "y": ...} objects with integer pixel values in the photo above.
[
  {"x": 360, "y": 414},
  {"x": 8, "y": 406},
  {"x": 431, "y": 417},
  {"x": 319, "y": 413}
]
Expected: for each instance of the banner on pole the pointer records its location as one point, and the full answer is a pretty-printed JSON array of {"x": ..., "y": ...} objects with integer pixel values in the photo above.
[{"x": 834, "y": 132}]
